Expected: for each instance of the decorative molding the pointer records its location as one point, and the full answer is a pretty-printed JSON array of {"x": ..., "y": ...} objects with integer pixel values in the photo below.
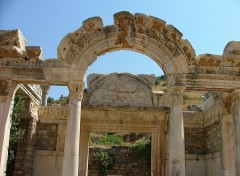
[
  {"x": 29, "y": 63},
  {"x": 76, "y": 90}
]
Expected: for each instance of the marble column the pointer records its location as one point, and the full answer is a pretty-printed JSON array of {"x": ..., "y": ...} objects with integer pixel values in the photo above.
[
  {"x": 83, "y": 162},
  {"x": 236, "y": 127},
  {"x": 176, "y": 143},
  {"x": 72, "y": 136},
  {"x": 7, "y": 90},
  {"x": 45, "y": 90},
  {"x": 228, "y": 158}
]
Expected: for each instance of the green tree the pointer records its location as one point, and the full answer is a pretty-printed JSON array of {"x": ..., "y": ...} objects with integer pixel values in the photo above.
[{"x": 16, "y": 133}]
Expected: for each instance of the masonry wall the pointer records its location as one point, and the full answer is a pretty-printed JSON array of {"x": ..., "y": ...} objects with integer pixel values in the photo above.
[
  {"x": 124, "y": 163},
  {"x": 212, "y": 135},
  {"x": 46, "y": 137},
  {"x": 194, "y": 140}
]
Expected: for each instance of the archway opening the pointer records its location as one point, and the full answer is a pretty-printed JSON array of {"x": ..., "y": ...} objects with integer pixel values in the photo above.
[{"x": 125, "y": 61}]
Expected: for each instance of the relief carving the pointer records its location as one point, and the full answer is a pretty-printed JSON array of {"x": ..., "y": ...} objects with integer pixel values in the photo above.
[
  {"x": 21, "y": 62},
  {"x": 53, "y": 113},
  {"x": 121, "y": 90}
]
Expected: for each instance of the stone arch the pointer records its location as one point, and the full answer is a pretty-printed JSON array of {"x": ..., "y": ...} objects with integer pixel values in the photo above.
[{"x": 140, "y": 33}]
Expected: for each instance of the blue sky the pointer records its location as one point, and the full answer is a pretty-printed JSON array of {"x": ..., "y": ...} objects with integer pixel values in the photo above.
[{"x": 208, "y": 24}]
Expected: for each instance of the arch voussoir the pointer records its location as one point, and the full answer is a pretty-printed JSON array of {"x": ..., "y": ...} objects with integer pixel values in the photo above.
[{"x": 137, "y": 32}]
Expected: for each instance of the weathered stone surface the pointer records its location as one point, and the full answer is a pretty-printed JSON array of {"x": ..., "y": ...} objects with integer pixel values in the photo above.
[
  {"x": 46, "y": 137},
  {"x": 12, "y": 38},
  {"x": 120, "y": 90},
  {"x": 232, "y": 48},
  {"x": 213, "y": 138}
]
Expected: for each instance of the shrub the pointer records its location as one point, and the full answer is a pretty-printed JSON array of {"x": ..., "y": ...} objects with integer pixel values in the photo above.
[{"x": 105, "y": 161}]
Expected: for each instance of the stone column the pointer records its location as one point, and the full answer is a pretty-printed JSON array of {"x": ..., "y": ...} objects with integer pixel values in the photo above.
[
  {"x": 83, "y": 162},
  {"x": 72, "y": 137},
  {"x": 176, "y": 144},
  {"x": 228, "y": 158},
  {"x": 45, "y": 90},
  {"x": 236, "y": 127},
  {"x": 7, "y": 90}
]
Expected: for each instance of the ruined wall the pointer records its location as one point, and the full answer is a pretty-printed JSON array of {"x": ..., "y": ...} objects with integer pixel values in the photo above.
[
  {"x": 213, "y": 138},
  {"x": 125, "y": 164},
  {"x": 194, "y": 140}
]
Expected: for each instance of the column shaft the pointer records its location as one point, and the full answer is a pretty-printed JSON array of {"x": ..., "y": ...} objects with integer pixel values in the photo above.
[
  {"x": 72, "y": 137},
  {"x": 236, "y": 126},
  {"x": 228, "y": 157},
  {"x": 177, "y": 146}
]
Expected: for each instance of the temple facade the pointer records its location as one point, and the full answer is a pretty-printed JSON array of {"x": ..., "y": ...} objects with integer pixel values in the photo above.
[{"x": 196, "y": 142}]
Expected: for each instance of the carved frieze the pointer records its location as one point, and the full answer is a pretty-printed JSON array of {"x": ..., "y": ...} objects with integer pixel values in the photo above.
[
  {"x": 21, "y": 62},
  {"x": 53, "y": 113}
]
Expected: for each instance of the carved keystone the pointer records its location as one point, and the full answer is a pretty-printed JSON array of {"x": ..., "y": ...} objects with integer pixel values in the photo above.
[{"x": 123, "y": 20}]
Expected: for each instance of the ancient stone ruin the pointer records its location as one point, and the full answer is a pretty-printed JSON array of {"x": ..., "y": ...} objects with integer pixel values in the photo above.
[{"x": 198, "y": 142}]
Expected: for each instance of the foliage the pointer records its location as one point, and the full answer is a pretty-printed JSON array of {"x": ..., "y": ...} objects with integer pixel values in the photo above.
[
  {"x": 107, "y": 140},
  {"x": 62, "y": 100},
  {"x": 159, "y": 79},
  {"x": 16, "y": 133},
  {"x": 105, "y": 160},
  {"x": 50, "y": 100}
]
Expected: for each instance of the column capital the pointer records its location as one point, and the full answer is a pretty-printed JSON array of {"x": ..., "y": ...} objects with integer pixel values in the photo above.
[
  {"x": 76, "y": 89},
  {"x": 176, "y": 94},
  {"x": 7, "y": 88},
  {"x": 224, "y": 103},
  {"x": 236, "y": 95},
  {"x": 45, "y": 88}
]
